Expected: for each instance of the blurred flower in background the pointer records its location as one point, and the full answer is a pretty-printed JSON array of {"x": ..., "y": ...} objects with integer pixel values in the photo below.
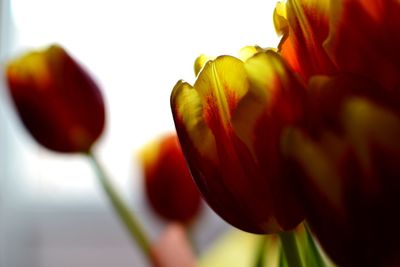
[
  {"x": 58, "y": 102},
  {"x": 346, "y": 53},
  {"x": 349, "y": 155},
  {"x": 169, "y": 187}
]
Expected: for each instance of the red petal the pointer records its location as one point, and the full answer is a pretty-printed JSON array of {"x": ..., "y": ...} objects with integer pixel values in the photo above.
[
  {"x": 303, "y": 38},
  {"x": 58, "y": 102},
  {"x": 365, "y": 40}
]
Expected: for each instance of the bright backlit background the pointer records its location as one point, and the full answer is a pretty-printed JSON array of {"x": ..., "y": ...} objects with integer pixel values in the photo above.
[{"x": 52, "y": 211}]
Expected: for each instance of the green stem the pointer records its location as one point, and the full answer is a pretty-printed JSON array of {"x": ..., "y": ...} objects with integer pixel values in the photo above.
[
  {"x": 260, "y": 257},
  {"x": 126, "y": 216},
  {"x": 282, "y": 259},
  {"x": 315, "y": 252},
  {"x": 290, "y": 249}
]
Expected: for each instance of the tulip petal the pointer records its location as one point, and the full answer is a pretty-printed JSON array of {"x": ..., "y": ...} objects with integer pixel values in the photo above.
[
  {"x": 273, "y": 103},
  {"x": 270, "y": 79},
  {"x": 169, "y": 187},
  {"x": 304, "y": 32},
  {"x": 187, "y": 109},
  {"x": 349, "y": 152},
  {"x": 353, "y": 183},
  {"x": 226, "y": 171},
  {"x": 202, "y": 119},
  {"x": 248, "y": 51},
  {"x": 200, "y": 62},
  {"x": 280, "y": 18},
  {"x": 318, "y": 164},
  {"x": 58, "y": 102},
  {"x": 221, "y": 84},
  {"x": 371, "y": 27},
  {"x": 370, "y": 126}
]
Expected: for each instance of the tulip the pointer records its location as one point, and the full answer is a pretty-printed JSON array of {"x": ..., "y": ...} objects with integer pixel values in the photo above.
[
  {"x": 349, "y": 153},
  {"x": 304, "y": 26},
  {"x": 347, "y": 148},
  {"x": 365, "y": 38},
  {"x": 63, "y": 109},
  {"x": 58, "y": 102},
  {"x": 229, "y": 125},
  {"x": 336, "y": 36},
  {"x": 169, "y": 186}
]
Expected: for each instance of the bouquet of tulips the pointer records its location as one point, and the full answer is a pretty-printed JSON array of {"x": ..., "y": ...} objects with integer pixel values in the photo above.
[{"x": 305, "y": 135}]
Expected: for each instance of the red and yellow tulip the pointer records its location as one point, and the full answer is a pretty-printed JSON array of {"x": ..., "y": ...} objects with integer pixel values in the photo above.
[
  {"x": 313, "y": 128},
  {"x": 169, "y": 187},
  {"x": 341, "y": 36},
  {"x": 348, "y": 147},
  {"x": 349, "y": 154},
  {"x": 304, "y": 26},
  {"x": 229, "y": 124},
  {"x": 58, "y": 102}
]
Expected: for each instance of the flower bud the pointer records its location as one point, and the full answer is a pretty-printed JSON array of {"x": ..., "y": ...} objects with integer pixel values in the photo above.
[
  {"x": 169, "y": 186},
  {"x": 57, "y": 101}
]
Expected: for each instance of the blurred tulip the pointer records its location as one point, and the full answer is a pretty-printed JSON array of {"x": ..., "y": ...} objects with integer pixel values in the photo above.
[
  {"x": 57, "y": 100},
  {"x": 334, "y": 36},
  {"x": 229, "y": 125},
  {"x": 364, "y": 39},
  {"x": 169, "y": 186},
  {"x": 348, "y": 148},
  {"x": 350, "y": 153}
]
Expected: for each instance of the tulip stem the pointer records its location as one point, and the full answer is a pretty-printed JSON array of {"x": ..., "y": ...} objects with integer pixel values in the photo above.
[
  {"x": 260, "y": 256},
  {"x": 316, "y": 255},
  {"x": 131, "y": 223},
  {"x": 290, "y": 249},
  {"x": 191, "y": 238}
]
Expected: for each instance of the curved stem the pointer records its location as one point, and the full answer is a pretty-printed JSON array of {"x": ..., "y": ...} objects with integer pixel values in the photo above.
[
  {"x": 126, "y": 216},
  {"x": 290, "y": 249}
]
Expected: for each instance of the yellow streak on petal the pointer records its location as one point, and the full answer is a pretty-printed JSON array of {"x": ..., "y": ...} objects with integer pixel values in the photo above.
[
  {"x": 321, "y": 6},
  {"x": 305, "y": 27},
  {"x": 265, "y": 70},
  {"x": 224, "y": 80},
  {"x": 253, "y": 103},
  {"x": 189, "y": 111},
  {"x": 316, "y": 8}
]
